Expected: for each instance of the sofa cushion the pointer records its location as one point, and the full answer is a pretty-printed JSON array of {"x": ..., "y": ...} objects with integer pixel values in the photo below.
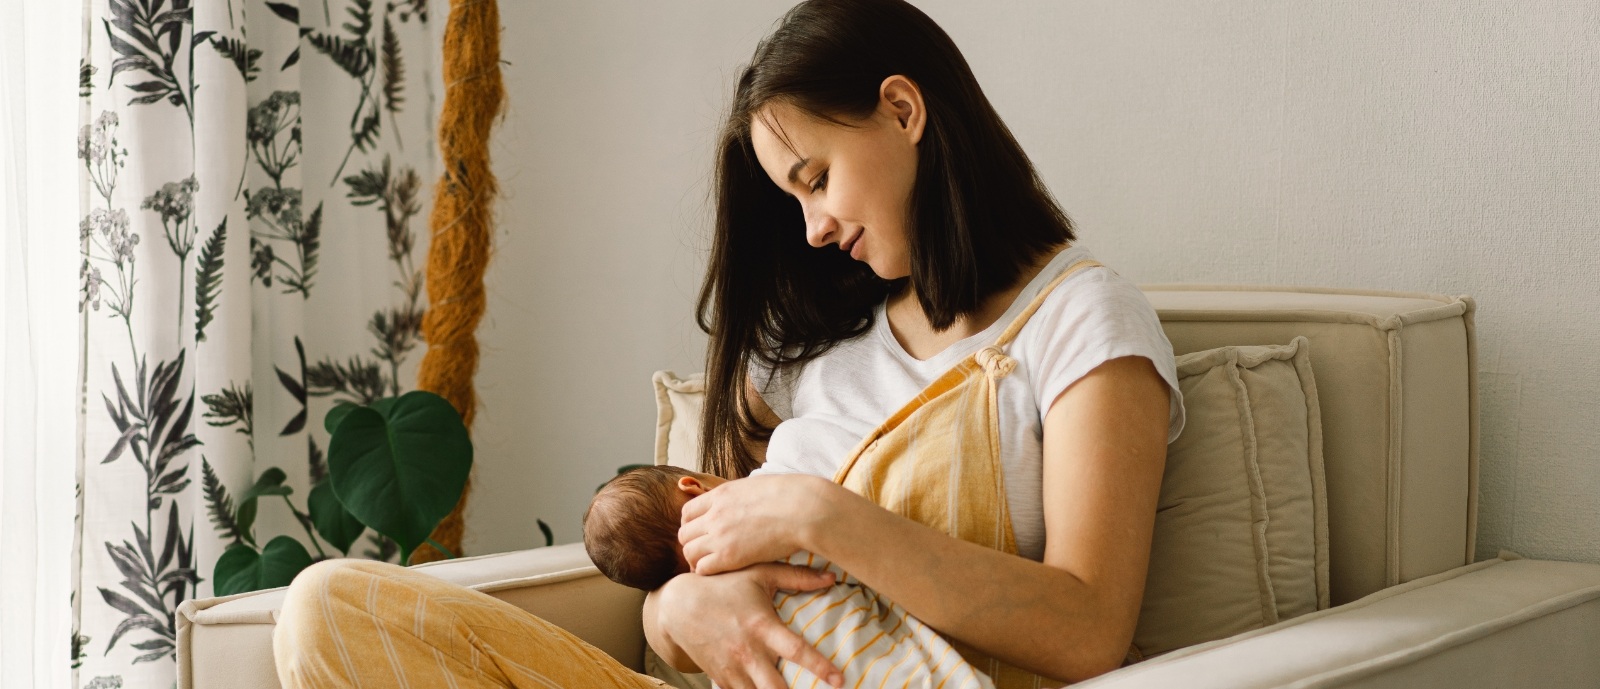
[
  {"x": 678, "y": 404},
  {"x": 1240, "y": 537}
]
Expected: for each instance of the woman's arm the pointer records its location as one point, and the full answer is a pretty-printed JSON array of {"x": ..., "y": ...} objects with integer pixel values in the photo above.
[
  {"x": 1070, "y": 617},
  {"x": 658, "y": 638}
]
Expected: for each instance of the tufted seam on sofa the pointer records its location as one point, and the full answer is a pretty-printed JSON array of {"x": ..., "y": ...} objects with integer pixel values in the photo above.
[{"x": 1396, "y": 461}]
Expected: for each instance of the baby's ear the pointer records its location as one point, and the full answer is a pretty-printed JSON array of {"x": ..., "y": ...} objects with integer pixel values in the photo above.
[{"x": 691, "y": 486}]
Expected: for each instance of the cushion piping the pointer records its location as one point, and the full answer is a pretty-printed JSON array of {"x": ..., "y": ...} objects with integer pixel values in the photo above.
[
  {"x": 1293, "y": 289},
  {"x": 1258, "y": 508},
  {"x": 1393, "y": 494},
  {"x": 1470, "y": 307},
  {"x": 1319, "y": 488}
]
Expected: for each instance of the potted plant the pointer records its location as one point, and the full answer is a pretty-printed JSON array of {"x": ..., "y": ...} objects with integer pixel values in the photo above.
[{"x": 397, "y": 467}]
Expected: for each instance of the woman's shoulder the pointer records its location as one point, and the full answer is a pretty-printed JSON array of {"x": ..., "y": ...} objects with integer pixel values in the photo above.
[
  {"x": 1095, "y": 310},
  {"x": 1094, "y": 316},
  {"x": 1095, "y": 292}
]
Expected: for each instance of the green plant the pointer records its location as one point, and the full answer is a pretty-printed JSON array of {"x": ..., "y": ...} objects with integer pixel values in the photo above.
[{"x": 397, "y": 466}]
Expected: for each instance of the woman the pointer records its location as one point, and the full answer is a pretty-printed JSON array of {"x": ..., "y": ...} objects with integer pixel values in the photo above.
[{"x": 858, "y": 125}]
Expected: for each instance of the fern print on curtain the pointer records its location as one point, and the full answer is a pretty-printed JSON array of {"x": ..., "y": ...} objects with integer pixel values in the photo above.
[{"x": 253, "y": 208}]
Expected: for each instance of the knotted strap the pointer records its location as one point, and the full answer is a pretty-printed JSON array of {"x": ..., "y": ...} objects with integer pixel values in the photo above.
[
  {"x": 994, "y": 361},
  {"x": 996, "y": 364}
]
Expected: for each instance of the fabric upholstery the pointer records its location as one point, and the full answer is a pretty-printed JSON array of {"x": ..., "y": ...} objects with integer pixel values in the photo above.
[
  {"x": 1497, "y": 623},
  {"x": 1240, "y": 536}
]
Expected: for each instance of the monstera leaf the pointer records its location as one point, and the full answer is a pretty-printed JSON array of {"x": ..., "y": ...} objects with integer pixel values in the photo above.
[
  {"x": 270, "y": 483},
  {"x": 242, "y": 569},
  {"x": 333, "y": 522},
  {"x": 399, "y": 466}
]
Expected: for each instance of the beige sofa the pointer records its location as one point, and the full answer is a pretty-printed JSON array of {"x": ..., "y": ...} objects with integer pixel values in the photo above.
[{"x": 1395, "y": 375}]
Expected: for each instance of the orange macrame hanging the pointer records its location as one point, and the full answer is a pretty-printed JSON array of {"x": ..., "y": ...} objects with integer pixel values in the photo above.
[{"x": 462, "y": 221}]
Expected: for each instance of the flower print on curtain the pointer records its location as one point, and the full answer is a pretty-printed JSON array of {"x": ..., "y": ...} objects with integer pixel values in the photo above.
[{"x": 250, "y": 192}]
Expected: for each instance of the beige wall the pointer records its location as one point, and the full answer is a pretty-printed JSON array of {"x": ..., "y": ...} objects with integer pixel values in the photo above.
[{"x": 1446, "y": 147}]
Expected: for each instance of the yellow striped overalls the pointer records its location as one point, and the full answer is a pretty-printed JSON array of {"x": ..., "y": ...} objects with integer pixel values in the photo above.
[{"x": 936, "y": 461}]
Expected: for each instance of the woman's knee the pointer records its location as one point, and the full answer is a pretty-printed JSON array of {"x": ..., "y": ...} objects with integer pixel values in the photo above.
[{"x": 339, "y": 580}]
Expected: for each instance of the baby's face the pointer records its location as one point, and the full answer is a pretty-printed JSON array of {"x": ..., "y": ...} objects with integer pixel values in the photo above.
[{"x": 689, "y": 488}]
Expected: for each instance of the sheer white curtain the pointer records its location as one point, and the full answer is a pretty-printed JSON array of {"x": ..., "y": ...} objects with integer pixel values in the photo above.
[{"x": 39, "y": 53}]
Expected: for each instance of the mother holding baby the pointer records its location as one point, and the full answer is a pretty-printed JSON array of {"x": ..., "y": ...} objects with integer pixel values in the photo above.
[{"x": 981, "y": 410}]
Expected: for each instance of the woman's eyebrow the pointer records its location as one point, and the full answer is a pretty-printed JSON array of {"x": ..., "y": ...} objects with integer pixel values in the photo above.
[{"x": 794, "y": 170}]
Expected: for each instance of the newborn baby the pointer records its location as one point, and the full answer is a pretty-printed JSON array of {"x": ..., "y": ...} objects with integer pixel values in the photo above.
[{"x": 631, "y": 533}]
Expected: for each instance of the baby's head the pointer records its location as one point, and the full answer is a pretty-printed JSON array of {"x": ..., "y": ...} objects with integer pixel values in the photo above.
[{"x": 631, "y": 526}]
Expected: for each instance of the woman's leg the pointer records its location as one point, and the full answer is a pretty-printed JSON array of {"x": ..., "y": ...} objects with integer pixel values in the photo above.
[{"x": 362, "y": 623}]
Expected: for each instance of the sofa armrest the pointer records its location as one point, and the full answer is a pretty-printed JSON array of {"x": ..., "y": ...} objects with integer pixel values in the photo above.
[
  {"x": 1496, "y": 623},
  {"x": 227, "y": 641}
]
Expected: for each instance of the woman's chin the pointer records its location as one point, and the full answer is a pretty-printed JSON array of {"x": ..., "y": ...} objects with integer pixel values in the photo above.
[{"x": 896, "y": 274}]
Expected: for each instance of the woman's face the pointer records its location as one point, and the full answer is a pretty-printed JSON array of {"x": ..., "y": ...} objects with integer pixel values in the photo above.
[{"x": 853, "y": 183}]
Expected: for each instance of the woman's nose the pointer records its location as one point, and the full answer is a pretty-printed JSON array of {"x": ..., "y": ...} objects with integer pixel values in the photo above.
[{"x": 821, "y": 228}]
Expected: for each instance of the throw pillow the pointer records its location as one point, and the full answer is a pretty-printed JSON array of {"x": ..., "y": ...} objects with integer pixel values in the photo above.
[
  {"x": 1241, "y": 534},
  {"x": 678, "y": 405}
]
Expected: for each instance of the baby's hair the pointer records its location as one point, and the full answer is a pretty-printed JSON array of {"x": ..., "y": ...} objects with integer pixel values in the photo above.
[{"x": 631, "y": 527}]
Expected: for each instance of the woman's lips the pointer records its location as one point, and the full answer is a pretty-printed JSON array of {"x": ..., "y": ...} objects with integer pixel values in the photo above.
[{"x": 855, "y": 247}]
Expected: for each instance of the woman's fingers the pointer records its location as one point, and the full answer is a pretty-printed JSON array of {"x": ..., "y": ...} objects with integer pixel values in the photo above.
[
  {"x": 696, "y": 507},
  {"x": 794, "y": 578},
  {"x": 793, "y": 648},
  {"x": 764, "y": 675},
  {"x": 727, "y": 623},
  {"x": 778, "y": 639},
  {"x": 696, "y": 554},
  {"x": 689, "y": 531},
  {"x": 691, "y": 534}
]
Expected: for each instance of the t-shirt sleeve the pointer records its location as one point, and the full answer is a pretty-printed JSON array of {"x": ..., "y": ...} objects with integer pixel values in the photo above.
[{"x": 1089, "y": 321}]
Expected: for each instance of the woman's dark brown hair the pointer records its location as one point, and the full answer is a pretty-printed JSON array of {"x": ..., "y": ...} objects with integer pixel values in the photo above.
[{"x": 979, "y": 214}]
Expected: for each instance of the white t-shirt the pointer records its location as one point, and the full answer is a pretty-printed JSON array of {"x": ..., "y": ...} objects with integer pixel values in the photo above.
[{"x": 830, "y": 403}]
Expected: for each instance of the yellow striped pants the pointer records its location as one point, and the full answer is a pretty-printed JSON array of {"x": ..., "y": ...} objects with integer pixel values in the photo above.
[{"x": 360, "y": 623}]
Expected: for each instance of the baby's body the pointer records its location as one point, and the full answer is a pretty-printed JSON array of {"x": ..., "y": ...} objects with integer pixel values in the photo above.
[
  {"x": 873, "y": 641},
  {"x": 630, "y": 532}
]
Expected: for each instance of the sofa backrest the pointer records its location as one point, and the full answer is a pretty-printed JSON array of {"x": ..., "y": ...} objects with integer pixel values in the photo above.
[{"x": 1396, "y": 381}]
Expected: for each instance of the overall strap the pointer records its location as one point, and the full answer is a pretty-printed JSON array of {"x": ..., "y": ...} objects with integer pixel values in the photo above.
[{"x": 1022, "y": 318}]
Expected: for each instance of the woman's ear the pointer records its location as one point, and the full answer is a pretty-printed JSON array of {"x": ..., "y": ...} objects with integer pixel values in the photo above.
[
  {"x": 900, "y": 98},
  {"x": 691, "y": 486}
]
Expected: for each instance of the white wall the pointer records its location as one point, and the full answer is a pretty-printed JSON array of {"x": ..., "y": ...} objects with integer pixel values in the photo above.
[{"x": 1447, "y": 147}]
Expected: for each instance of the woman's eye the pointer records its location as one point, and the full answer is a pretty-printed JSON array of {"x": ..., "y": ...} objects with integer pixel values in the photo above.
[{"x": 822, "y": 181}]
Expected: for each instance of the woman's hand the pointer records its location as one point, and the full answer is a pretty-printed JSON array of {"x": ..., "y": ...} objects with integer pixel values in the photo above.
[
  {"x": 727, "y": 625},
  {"x": 754, "y": 520}
]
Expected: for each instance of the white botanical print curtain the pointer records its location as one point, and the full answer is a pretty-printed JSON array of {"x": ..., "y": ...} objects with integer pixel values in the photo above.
[{"x": 252, "y": 204}]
